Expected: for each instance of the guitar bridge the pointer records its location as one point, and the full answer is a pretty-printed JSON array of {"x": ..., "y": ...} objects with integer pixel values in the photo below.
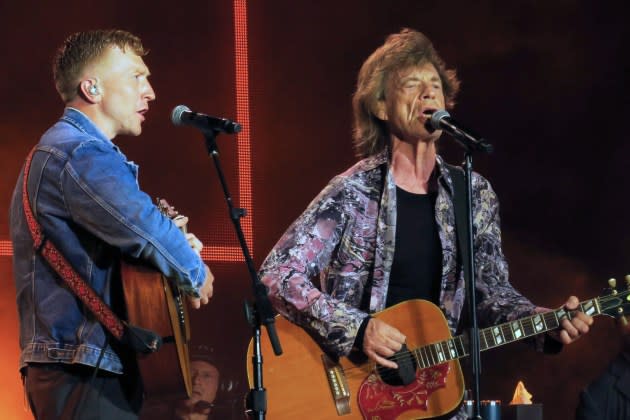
[{"x": 338, "y": 385}]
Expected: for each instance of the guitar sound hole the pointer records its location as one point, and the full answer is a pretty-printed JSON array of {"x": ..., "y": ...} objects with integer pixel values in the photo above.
[{"x": 406, "y": 372}]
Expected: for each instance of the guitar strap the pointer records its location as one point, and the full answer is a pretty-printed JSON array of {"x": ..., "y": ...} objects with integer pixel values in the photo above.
[
  {"x": 139, "y": 339},
  {"x": 461, "y": 227}
]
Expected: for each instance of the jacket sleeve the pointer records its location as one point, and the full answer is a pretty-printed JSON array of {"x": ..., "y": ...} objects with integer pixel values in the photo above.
[
  {"x": 101, "y": 193},
  {"x": 298, "y": 259}
]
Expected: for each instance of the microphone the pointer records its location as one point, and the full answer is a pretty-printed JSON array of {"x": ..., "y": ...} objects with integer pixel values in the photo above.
[
  {"x": 441, "y": 120},
  {"x": 182, "y": 115}
]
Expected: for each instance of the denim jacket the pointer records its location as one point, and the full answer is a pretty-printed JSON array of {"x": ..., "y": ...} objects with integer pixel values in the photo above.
[
  {"x": 331, "y": 267},
  {"x": 85, "y": 195}
]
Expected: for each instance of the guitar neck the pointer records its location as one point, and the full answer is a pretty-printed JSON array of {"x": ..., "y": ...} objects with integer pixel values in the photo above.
[
  {"x": 531, "y": 326},
  {"x": 457, "y": 347}
]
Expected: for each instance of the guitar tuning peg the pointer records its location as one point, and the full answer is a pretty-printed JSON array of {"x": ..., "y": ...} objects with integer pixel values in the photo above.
[
  {"x": 623, "y": 320},
  {"x": 627, "y": 280},
  {"x": 612, "y": 283}
]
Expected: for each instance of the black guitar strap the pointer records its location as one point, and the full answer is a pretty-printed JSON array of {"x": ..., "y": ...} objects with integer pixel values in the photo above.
[
  {"x": 461, "y": 226},
  {"x": 459, "y": 202}
]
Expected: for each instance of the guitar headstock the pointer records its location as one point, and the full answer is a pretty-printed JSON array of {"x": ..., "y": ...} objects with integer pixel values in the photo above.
[
  {"x": 616, "y": 303},
  {"x": 165, "y": 208},
  {"x": 170, "y": 212}
]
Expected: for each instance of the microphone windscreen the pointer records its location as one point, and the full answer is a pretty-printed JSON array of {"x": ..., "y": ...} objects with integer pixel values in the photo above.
[
  {"x": 176, "y": 115},
  {"x": 437, "y": 116}
]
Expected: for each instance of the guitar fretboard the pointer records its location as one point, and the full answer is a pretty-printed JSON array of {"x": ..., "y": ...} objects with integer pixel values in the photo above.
[{"x": 457, "y": 347}]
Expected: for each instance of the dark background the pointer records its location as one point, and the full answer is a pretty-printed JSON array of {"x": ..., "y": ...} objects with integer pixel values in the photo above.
[{"x": 544, "y": 81}]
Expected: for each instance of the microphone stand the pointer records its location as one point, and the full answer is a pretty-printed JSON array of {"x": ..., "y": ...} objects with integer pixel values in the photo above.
[
  {"x": 471, "y": 281},
  {"x": 258, "y": 313},
  {"x": 471, "y": 145}
]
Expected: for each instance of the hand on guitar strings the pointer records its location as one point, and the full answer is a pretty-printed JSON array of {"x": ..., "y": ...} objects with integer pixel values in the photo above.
[
  {"x": 205, "y": 293},
  {"x": 573, "y": 326},
  {"x": 380, "y": 341}
]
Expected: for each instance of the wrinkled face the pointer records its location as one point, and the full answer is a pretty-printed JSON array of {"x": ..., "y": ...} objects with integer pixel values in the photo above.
[
  {"x": 205, "y": 379},
  {"x": 124, "y": 90},
  {"x": 411, "y": 95}
]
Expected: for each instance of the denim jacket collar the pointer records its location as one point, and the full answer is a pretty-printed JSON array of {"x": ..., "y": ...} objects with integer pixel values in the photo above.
[{"x": 84, "y": 123}]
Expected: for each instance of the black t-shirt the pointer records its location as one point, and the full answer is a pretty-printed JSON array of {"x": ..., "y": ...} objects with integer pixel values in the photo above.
[
  {"x": 417, "y": 267},
  {"x": 416, "y": 271}
]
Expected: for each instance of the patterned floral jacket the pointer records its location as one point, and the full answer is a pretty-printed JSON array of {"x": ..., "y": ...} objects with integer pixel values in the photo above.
[{"x": 331, "y": 267}]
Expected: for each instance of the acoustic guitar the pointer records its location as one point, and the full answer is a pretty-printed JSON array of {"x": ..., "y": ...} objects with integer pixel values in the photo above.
[
  {"x": 307, "y": 383},
  {"x": 155, "y": 303}
]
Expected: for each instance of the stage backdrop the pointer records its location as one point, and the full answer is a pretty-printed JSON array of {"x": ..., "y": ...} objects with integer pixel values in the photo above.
[{"x": 545, "y": 83}]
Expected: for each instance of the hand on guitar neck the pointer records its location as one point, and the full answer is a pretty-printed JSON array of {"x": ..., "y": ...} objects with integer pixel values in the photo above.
[
  {"x": 573, "y": 326},
  {"x": 181, "y": 221}
]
